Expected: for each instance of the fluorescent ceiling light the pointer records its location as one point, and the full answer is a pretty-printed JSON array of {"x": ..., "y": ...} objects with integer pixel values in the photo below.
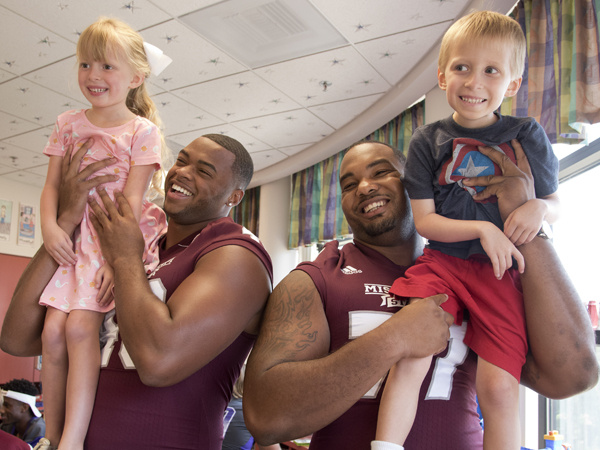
[{"x": 262, "y": 32}]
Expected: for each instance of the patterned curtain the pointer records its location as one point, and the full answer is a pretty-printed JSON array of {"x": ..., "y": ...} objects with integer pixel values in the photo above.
[
  {"x": 316, "y": 212},
  {"x": 247, "y": 212},
  {"x": 561, "y": 83}
]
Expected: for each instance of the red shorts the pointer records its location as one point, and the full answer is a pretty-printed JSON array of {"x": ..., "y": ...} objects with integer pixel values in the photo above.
[{"x": 496, "y": 327}]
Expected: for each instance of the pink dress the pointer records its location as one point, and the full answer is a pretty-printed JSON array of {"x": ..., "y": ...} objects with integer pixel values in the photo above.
[{"x": 135, "y": 143}]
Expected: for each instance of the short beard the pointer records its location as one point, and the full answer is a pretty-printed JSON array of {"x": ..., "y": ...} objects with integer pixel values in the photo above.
[{"x": 381, "y": 227}]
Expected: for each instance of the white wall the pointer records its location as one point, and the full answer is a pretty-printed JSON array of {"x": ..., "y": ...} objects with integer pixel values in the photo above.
[
  {"x": 20, "y": 193},
  {"x": 436, "y": 105},
  {"x": 274, "y": 226}
]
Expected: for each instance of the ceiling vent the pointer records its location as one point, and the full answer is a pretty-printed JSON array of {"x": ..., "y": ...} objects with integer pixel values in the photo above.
[{"x": 262, "y": 32}]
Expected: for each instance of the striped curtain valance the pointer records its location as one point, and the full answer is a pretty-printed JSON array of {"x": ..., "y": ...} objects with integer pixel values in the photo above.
[
  {"x": 316, "y": 211},
  {"x": 247, "y": 212},
  {"x": 561, "y": 83}
]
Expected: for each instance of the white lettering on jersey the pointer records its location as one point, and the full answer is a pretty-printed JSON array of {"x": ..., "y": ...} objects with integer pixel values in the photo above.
[
  {"x": 383, "y": 291},
  {"x": 349, "y": 270},
  {"x": 440, "y": 387},
  {"x": 361, "y": 322},
  {"x": 110, "y": 330},
  {"x": 228, "y": 415},
  {"x": 166, "y": 263}
]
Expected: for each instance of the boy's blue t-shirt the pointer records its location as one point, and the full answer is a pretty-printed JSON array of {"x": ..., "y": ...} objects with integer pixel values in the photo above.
[{"x": 442, "y": 153}]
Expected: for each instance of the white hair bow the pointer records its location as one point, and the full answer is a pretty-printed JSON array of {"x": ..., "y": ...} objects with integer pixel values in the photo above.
[{"x": 157, "y": 60}]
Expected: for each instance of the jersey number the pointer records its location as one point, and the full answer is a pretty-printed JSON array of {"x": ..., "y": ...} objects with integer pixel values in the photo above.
[
  {"x": 110, "y": 332},
  {"x": 440, "y": 388}
]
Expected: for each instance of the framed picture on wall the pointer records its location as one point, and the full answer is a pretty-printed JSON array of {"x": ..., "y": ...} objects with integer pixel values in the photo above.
[
  {"x": 27, "y": 220},
  {"x": 5, "y": 220}
]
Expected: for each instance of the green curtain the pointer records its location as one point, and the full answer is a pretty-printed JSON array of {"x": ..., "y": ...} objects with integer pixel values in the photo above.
[
  {"x": 561, "y": 83},
  {"x": 316, "y": 212},
  {"x": 247, "y": 212}
]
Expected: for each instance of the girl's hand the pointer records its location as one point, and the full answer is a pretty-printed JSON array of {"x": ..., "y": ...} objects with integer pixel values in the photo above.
[
  {"x": 499, "y": 249},
  {"x": 105, "y": 278},
  {"x": 523, "y": 223},
  {"x": 59, "y": 245}
]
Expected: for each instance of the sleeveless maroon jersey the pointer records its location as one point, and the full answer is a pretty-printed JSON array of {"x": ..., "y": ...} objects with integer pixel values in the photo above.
[
  {"x": 188, "y": 415},
  {"x": 353, "y": 284}
]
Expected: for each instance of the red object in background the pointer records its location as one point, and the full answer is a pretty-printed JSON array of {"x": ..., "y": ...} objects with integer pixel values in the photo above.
[{"x": 593, "y": 312}]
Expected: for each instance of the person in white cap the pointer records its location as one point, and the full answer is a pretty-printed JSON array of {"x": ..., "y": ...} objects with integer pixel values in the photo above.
[{"x": 20, "y": 416}]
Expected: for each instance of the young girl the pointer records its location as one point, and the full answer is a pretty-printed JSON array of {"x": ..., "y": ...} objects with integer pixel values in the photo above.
[{"x": 122, "y": 124}]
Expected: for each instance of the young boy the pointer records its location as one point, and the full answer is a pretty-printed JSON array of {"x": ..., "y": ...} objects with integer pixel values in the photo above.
[{"x": 470, "y": 251}]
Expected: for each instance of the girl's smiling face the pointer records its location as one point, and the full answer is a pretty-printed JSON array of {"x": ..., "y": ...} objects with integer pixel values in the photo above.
[{"x": 106, "y": 84}]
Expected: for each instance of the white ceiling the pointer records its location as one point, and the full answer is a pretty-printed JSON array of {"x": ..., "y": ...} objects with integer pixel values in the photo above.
[{"x": 282, "y": 113}]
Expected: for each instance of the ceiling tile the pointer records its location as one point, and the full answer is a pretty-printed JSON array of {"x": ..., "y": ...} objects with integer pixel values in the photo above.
[
  {"x": 294, "y": 149},
  {"x": 6, "y": 169},
  {"x": 180, "y": 7},
  {"x": 194, "y": 59},
  {"x": 266, "y": 158},
  {"x": 11, "y": 125},
  {"x": 286, "y": 129},
  {"x": 27, "y": 46},
  {"x": 34, "y": 141},
  {"x": 31, "y": 179},
  {"x": 251, "y": 143},
  {"x": 40, "y": 170},
  {"x": 4, "y": 75},
  {"x": 18, "y": 158},
  {"x": 180, "y": 116},
  {"x": 325, "y": 77},
  {"x": 338, "y": 114},
  {"x": 70, "y": 18},
  {"x": 359, "y": 20},
  {"x": 60, "y": 77},
  {"x": 33, "y": 102},
  {"x": 237, "y": 97},
  {"x": 394, "y": 56}
]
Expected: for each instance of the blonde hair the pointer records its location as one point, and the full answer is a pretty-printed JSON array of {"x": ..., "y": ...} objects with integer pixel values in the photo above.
[
  {"x": 111, "y": 37},
  {"x": 487, "y": 25}
]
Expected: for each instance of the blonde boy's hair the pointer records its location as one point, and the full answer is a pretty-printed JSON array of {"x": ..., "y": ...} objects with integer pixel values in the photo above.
[
  {"x": 487, "y": 25},
  {"x": 112, "y": 37}
]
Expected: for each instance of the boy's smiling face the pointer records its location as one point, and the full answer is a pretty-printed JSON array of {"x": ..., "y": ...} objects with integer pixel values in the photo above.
[{"x": 476, "y": 79}]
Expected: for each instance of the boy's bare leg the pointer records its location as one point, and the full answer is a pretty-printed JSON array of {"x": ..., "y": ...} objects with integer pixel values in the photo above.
[
  {"x": 498, "y": 394},
  {"x": 400, "y": 398}
]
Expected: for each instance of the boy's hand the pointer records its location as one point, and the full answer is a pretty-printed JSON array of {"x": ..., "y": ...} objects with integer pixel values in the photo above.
[
  {"x": 59, "y": 245},
  {"x": 105, "y": 278},
  {"x": 499, "y": 249},
  {"x": 523, "y": 223}
]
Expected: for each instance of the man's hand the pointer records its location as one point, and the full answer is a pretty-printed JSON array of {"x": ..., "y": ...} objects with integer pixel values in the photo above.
[
  {"x": 119, "y": 232},
  {"x": 426, "y": 326},
  {"x": 513, "y": 188},
  {"x": 75, "y": 186}
]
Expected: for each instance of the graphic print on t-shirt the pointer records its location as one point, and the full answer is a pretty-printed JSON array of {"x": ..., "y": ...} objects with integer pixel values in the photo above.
[{"x": 467, "y": 161}]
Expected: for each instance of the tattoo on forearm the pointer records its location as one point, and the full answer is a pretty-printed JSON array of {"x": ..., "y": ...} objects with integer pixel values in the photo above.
[{"x": 289, "y": 328}]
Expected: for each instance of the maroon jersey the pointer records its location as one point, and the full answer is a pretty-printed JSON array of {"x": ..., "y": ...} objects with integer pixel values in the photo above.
[
  {"x": 188, "y": 415},
  {"x": 354, "y": 285}
]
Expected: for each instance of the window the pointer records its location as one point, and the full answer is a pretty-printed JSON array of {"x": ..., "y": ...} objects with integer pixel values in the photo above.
[{"x": 577, "y": 241}]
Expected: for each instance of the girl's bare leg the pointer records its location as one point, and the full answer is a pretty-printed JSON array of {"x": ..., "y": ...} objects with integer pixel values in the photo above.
[
  {"x": 83, "y": 344},
  {"x": 55, "y": 365}
]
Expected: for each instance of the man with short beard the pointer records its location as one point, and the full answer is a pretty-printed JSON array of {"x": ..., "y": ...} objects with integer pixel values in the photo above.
[
  {"x": 331, "y": 331},
  {"x": 181, "y": 334}
]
